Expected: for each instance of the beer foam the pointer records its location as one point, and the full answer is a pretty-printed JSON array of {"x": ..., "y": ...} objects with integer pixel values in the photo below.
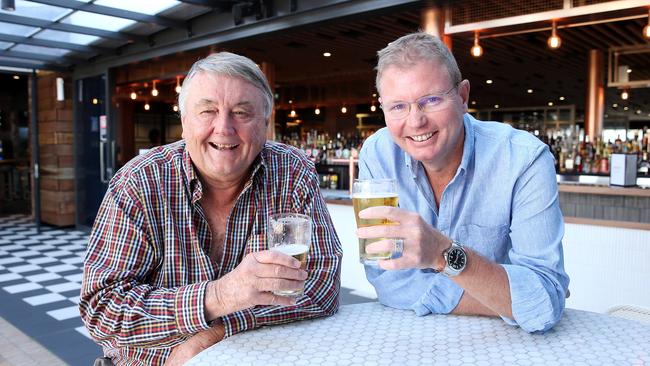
[
  {"x": 367, "y": 195},
  {"x": 291, "y": 249}
]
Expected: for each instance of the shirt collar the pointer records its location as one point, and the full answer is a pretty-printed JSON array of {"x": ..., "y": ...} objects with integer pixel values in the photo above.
[
  {"x": 195, "y": 186},
  {"x": 414, "y": 166}
]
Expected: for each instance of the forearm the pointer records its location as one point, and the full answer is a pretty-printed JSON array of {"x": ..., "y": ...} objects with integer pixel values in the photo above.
[
  {"x": 487, "y": 290},
  {"x": 141, "y": 316}
]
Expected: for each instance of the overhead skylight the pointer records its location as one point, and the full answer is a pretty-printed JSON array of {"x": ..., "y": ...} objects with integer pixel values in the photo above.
[
  {"x": 40, "y": 50},
  {"x": 38, "y": 11},
  {"x": 21, "y": 60},
  {"x": 16, "y": 30},
  {"x": 76, "y": 38},
  {"x": 97, "y": 21},
  {"x": 4, "y": 45},
  {"x": 144, "y": 7}
]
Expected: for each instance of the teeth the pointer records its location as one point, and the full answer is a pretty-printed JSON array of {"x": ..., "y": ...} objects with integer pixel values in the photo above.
[
  {"x": 224, "y": 146},
  {"x": 420, "y": 138}
]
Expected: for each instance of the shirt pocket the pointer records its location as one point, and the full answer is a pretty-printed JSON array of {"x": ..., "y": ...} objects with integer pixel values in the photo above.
[{"x": 492, "y": 242}]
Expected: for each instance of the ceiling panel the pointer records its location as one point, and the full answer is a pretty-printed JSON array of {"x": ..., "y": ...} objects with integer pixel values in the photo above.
[
  {"x": 144, "y": 7},
  {"x": 38, "y": 11},
  {"x": 16, "y": 29},
  {"x": 41, "y": 50},
  {"x": 99, "y": 21},
  {"x": 76, "y": 38}
]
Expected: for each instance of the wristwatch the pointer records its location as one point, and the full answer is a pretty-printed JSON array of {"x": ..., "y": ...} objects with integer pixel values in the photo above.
[{"x": 455, "y": 259}]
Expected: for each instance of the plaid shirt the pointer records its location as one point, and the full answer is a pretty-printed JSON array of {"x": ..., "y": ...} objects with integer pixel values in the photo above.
[{"x": 147, "y": 264}]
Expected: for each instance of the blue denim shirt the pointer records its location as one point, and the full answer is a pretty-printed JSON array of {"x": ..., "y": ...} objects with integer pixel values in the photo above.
[{"x": 502, "y": 203}]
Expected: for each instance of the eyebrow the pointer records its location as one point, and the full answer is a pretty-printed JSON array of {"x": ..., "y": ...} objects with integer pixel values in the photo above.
[{"x": 210, "y": 102}]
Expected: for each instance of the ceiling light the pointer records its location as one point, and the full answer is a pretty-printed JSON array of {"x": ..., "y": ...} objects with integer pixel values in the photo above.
[
  {"x": 554, "y": 41},
  {"x": 8, "y": 5},
  {"x": 615, "y": 105},
  {"x": 629, "y": 70},
  {"x": 175, "y": 108},
  {"x": 374, "y": 95},
  {"x": 327, "y": 54},
  {"x": 488, "y": 81},
  {"x": 477, "y": 50},
  {"x": 16, "y": 77},
  {"x": 550, "y": 104},
  {"x": 496, "y": 106},
  {"x": 134, "y": 95},
  {"x": 646, "y": 29},
  {"x": 147, "y": 106},
  {"x": 178, "y": 85},
  {"x": 625, "y": 94},
  {"x": 292, "y": 113},
  {"x": 561, "y": 98},
  {"x": 626, "y": 108},
  {"x": 529, "y": 91},
  {"x": 344, "y": 110},
  {"x": 154, "y": 91},
  {"x": 290, "y": 101},
  {"x": 317, "y": 111},
  {"x": 373, "y": 108},
  {"x": 473, "y": 102},
  {"x": 638, "y": 111},
  {"x": 95, "y": 101}
]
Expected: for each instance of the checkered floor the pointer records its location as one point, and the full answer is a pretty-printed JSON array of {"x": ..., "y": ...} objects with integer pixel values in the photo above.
[{"x": 40, "y": 279}]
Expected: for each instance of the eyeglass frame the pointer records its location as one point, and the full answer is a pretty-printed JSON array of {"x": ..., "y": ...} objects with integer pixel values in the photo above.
[{"x": 419, "y": 103}]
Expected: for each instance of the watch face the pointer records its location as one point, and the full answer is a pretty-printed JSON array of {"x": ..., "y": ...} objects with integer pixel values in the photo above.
[{"x": 456, "y": 259}]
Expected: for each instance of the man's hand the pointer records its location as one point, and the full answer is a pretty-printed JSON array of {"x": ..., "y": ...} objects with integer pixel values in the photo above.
[
  {"x": 251, "y": 283},
  {"x": 423, "y": 244},
  {"x": 193, "y": 346}
]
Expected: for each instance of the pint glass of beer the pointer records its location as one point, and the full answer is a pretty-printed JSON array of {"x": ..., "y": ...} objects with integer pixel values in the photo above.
[
  {"x": 369, "y": 193},
  {"x": 290, "y": 233}
]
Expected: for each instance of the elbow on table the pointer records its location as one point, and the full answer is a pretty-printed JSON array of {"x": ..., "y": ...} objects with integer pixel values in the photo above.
[{"x": 543, "y": 321}]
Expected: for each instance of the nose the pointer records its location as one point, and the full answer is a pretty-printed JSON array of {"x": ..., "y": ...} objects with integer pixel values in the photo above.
[
  {"x": 223, "y": 124},
  {"x": 416, "y": 118}
]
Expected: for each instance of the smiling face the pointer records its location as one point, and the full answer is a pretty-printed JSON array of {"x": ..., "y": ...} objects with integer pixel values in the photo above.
[
  {"x": 224, "y": 126},
  {"x": 434, "y": 138}
]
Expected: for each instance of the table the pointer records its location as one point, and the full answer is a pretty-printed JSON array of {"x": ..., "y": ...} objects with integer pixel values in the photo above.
[{"x": 371, "y": 334}]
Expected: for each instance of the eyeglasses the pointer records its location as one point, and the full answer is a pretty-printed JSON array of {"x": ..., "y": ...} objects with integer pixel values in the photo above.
[{"x": 427, "y": 104}]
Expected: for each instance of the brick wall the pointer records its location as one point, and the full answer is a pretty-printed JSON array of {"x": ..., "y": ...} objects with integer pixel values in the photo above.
[{"x": 55, "y": 138}]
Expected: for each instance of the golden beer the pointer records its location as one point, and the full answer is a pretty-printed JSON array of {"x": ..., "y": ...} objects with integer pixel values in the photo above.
[
  {"x": 298, "y": 251},
  {"x": 361, "y": 201}
]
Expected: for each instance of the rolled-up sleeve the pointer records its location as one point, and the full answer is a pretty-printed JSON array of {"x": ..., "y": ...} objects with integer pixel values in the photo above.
[{"x": 538, "y": 282}]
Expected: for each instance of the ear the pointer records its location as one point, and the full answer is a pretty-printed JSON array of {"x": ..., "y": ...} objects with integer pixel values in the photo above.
[
  {"x": 183, "y": 127},
  {"x": 463, "y": 91}
]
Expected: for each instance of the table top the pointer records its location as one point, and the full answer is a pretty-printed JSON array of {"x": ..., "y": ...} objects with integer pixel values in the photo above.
[{"x": 372, "y": 334}]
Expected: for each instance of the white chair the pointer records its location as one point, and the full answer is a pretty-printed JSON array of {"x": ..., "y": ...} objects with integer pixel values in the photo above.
[{"x": 631, "y": 312}]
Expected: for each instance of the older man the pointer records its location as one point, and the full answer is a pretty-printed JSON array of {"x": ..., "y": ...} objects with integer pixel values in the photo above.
[
  {"x": 178, "y": 257},
  {"x": 479, "y": 217}
]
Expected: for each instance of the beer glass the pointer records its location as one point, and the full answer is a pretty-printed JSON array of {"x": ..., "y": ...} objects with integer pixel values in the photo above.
[
  {"x": 290, "y": 233},
  {"x": 369, "y": 193}
]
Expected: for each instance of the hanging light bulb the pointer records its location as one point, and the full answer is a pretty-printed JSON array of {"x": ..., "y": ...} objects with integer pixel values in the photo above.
[
  {"x": 344, "y": 110},
  {"x": 154, "y": 91},
  {"x": 646, "y": 29},
  {"x": 175, "y": 108},
  {"x": 317, "y": 111},
  {"x": 292, "y": 113},
  {"x": 554, "y": 41},
  {"x": 146, "y": 106},
  {"x": 625, "y": 94},
  {"x": 477, "y": 50},
  {"x": 178, "y": 85},
  {"x": 133, "y": 95},
  {"x": 373, "y": 108},
  {"x": 95, "y": 100}
]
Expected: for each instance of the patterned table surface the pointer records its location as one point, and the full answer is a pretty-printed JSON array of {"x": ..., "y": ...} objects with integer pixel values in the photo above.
[{"x": 372, "y": 334}]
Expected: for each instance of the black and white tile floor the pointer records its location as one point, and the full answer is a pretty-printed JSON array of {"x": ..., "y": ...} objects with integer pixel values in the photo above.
[{"x": 40, "y": 279}]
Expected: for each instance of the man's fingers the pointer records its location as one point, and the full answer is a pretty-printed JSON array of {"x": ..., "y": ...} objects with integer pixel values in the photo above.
[
  {"x": 273, "y": 257},
  {"x": 385, "y": 245},
  {"x": 278, "y": 271},
  {"x": 391, "y": 213},
  {"x": 381, "y": 231},
  {"x": 275, "y": 284}
]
